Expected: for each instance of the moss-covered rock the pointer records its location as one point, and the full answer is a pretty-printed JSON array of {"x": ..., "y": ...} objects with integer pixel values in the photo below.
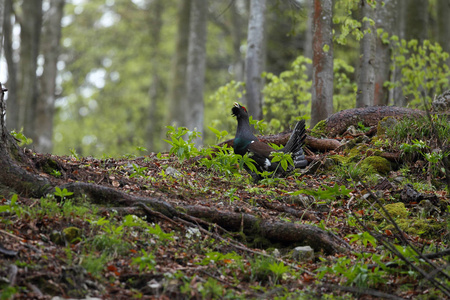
[
  {"x": 396, "y": 210},
  {"x": 378, "y": 163}
]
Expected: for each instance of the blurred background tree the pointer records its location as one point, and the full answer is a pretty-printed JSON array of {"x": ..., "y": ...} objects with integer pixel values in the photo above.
[{"x": 104, "y": 77}]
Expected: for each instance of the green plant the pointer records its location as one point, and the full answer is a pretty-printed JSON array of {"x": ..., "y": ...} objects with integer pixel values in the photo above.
[
  {"x": 74, "y": 153},
  {"x": 215, "y": 257},
  {"x": 283, "y": 159},
  {"x": 94, "y": 264},
  {"x": 364, "y": 238},
  {"x": 8, "y": 292},
  {"x": 327, "y": 193},
  {"x": 146, "y": 261},
  {"x": 23, "y": 140},
  {"x": 231, "y": 196},
  {"x": 222, "y": 160},
  {"x": 287, "y": 96},
  {"x": 211, "y": 289},
  {"x": 423, "y": 67},
  {"x": 56, "y": 173},
  {"x": 183, "y": 149},
  {"x": 12, "y": 206},
  {"x": 141, "y": 149},
  {"x": 138, "y": 171},
  {"x": 62, "y": 193},
  {"x": 278, "y": 269}
]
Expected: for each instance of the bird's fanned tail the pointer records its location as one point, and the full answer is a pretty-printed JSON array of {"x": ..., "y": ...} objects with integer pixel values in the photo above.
[{"x": 295, "y": 145}]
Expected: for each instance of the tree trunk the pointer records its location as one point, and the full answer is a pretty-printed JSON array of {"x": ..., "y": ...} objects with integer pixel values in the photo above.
[
  {"x": 443, "y": 24},
  {"x": 237, "y": 36},
  {"x": 366, "y": 74},
  {"x": 46, "y": 101},
  {"x": 322, "y": 90},
  {"x": 177, "y": 88},
  {"x": 30, "y": 33},
  {"x": 385, "y": 19},
  {"x": 155, "y": 25},
  {"x": 416, "y": 26},
  {"x": 400, "y": 24},
  {"x": 308, "y": 50},
  {"x": 12, "y": 122},
  {"x": 195, "y": 74},
  {"x": 254, "y": 60},
  {"x": 2, "y": 21}
]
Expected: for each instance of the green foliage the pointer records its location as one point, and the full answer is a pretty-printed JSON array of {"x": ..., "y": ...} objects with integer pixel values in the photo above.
[
  {"x": 424, "y": 69},
  {"x": 12, "y": 207},
  {"x": 326, "y": 193},
  {"x": 355, "y": 272},
  {"x": 138, "y": 171},
  {"x": 363, "y": 238},
  {"x": 283, "y": 159},
  {"x": 222, "y": 160},
  {"x": 216, "y": 257},
  {"x": 259, "y": 125},
  {"x": 287, "y": 97},
  {"x": 219, "y": 102},
  {"x": 23, "y": 140},
  {"x": 8, "y": 292},
  {"x": 94, "y": 264},
  {"x": 278, "y": 269},
  {"x": 183, "y": 149},
  {"x": 62, "y": 193},
  {"x": 146, "y": 261}
]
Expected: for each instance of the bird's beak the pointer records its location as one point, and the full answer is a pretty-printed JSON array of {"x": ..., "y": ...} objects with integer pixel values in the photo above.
[{"x": 237, "y": 104}]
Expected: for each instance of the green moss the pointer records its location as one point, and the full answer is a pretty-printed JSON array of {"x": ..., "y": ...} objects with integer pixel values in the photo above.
[
  {"x": 72, "y": 234},
  {"x": 319, "y": 130},
  {"x": 417, "y": 226},
  {"x": 379, "y": 164},
  {"x": 396, "y": 210}
]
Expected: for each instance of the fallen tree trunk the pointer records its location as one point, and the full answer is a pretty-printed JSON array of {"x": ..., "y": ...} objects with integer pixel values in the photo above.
[
  {"x": 282, "y": 138},
  {"x": 338, "y": 123}
]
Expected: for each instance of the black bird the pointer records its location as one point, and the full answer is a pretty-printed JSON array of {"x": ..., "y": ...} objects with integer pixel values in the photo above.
[{"x": 246, "y": 142}]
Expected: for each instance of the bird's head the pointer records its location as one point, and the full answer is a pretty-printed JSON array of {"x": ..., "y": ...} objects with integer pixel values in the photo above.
[{"x": 239, "y": 111}]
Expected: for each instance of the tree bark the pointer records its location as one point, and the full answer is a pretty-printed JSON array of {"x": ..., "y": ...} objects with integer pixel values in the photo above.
[
  {"x": 155, "y": 25},
  {"x": 366, "y": 81},
  {"x": 237, "y": 37},
  {"x": 400, "y": 31},
  {"x": 12, "y": 122},
  {"x": 254, "y": 60},
  {"x": 46, "y": 101},
  {"x": 416, "y": 26},
  {"x": 385, "y": 19},
  {"x": 30, "y": 34},
  {"x": 2, "y": 21},
  {"x": 322, "y": 90},
  {"x": 195, "y": 74},
  {"x": 338, "y": 123},
  {"x": 443, "y": 24},
  {"x": 177, "y": 88}
]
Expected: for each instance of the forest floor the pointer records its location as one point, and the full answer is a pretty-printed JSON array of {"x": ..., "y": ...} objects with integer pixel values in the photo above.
[{"x": 73, "y": 248}]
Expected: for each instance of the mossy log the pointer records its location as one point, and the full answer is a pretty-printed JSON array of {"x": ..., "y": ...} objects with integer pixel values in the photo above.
[{"x": 338, "y": 123}]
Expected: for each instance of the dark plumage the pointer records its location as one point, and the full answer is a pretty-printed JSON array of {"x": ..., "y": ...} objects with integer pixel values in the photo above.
[{"x": 246, "y": 142}]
